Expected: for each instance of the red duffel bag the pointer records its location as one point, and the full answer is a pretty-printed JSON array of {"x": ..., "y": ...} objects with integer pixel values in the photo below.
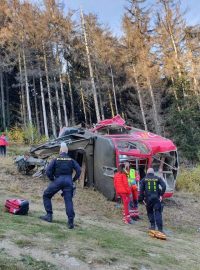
[{"x": 17, "y": 206}]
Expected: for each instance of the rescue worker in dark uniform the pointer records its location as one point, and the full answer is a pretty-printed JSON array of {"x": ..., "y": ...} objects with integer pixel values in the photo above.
[
  {"x": 59, "y": 171},
  {"x": 151, "y": 195}
]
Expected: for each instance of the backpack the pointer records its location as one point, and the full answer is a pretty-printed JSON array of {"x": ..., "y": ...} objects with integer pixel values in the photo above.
[{"x": 17, "y": 206}]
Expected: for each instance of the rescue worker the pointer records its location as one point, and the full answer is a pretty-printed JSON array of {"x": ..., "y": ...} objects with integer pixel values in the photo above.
[
  {"x": 151, "y": 195},
  {"x": 123, "y": 191},
  {"x": 132, "y": 178},
  {"x": 59, "y": 171},
  {"x": 3, "y": 145}
]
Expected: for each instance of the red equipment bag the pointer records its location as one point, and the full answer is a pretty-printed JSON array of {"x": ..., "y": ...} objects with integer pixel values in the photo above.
[{"x": 17, "y": 206}]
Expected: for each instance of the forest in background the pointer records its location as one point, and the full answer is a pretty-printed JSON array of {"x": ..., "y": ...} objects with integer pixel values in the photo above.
[{"x": 56, "y": 71}]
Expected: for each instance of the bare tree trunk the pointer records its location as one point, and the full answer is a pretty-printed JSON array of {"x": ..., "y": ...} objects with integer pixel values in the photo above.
[
  {"x": 140, "y": 99},
  {"x": 83, "y": 102},
  {"x": 99, "y": 94},
  {"x": 2, "y": 101},
  {"x": 41, "y": 120},
  {"x": 90, "y": 69},
  {"x": 58, "y": 64},
  {"x": 63, "y": 101},
  {"x": 49, "y": 94},
  {"x": 7, "y": 103},
  {"x": 168, "y": 14},
  {"x": 71, "y": 95},
  {"x": 101, "y": 105},
  {"x": 90, "y": 118},
  {"x": 114, "y": 91},
  {"x": 155, "y": 114},
  {"x": 195, "y": 85},
  {"x": 58, "y": 103},
  {"x": 175, "y": 94},
  {"x": 36, "y": 107},
  {"x": 120, "y": 102},
  {"x": 111, "y": 105},
  {"x": 23, "y": 105},
  {"x": 43, "y": 107},
  {"x": 27, "y": 90}
]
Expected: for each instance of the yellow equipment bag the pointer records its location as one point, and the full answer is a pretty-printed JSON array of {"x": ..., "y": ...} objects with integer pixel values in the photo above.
[{"x": 157, "y": 234}]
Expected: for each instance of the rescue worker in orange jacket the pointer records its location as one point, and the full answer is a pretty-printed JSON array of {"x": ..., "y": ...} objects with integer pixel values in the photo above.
[
  {"x": 133, "y": 177},
  {"x": 123, "y": 191}
]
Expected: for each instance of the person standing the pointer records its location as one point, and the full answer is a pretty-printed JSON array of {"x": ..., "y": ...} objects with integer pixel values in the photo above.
[
  {"x": 132, "y": 178},
  {"x": 60, "y": 171},
  {"x": 151, "y": 195},
  {"x": 123, "y": 191},
  {"x": 3, "y": 145}
]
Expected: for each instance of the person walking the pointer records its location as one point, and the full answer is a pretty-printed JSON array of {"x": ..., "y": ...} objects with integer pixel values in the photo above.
[
  {"x": 60, "y": 171},
  {"x": 151, "y": 195}
]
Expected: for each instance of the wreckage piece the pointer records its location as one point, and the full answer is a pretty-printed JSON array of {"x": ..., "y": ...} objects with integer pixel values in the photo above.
[
  {"x": 75, "y": 141},
  {"x": 25, "y": 164},
  {"x": 101, "y": 150},
  {"x": 81, "y": 147}
]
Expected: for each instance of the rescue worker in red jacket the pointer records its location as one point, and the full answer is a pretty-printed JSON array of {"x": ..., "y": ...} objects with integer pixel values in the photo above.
[
  {"x": 123, "y": 191},
  {"x": 3, "y": 144},
  {"x": 133, "y": 178}
]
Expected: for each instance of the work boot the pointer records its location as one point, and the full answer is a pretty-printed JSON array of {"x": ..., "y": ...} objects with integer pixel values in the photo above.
[
  {"x": 47, "y": 217},
  {"x": 152, "y": 227},
  {"x": 70, "y": 224}
]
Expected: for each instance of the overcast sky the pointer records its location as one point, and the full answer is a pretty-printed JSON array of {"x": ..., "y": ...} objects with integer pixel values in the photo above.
[{"x": 110, "y": 11}]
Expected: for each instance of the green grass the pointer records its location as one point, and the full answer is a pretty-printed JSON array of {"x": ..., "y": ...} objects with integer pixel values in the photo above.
[
  {"x": 24, "y": 243},
  {"x": 114, "y": 243},
  {"x": 7, "y": 262},
  {"x": 188, "y": 180},
  {"x": 31, "y": 263},
  {"x": 94, "y": 238}
]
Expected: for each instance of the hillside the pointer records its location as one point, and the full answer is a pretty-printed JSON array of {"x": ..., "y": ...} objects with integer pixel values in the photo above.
[{"x": 100, "y": 239}]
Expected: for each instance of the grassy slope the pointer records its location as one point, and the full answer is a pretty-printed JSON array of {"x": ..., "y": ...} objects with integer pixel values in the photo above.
[{"x": 100, "y": 240}]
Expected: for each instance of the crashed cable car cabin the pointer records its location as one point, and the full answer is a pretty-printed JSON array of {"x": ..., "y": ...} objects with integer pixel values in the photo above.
[{"x": 111, "y": 142}]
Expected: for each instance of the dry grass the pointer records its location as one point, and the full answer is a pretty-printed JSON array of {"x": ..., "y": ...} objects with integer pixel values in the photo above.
[{"x": 189, "y": 181}]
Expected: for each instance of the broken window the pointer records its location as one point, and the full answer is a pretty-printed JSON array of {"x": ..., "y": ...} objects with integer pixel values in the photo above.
[
  {"x": 126, "y": 146},
  {"x": 165, "y": 165}
]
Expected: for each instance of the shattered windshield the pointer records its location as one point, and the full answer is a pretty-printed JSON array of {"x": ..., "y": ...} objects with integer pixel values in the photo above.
[
  {"x": 112, "y": 130},
  {"x": 128, "y": 146}
]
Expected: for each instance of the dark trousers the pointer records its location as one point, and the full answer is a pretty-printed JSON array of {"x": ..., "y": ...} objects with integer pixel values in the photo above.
[
  {"x": 63, "y": 183},
  {"x": 154, "y": 213},
  {"x": 3, "y": 150}
]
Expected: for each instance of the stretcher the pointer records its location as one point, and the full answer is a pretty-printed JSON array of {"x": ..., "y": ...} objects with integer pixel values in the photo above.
[{"x": 157, "y": 234}]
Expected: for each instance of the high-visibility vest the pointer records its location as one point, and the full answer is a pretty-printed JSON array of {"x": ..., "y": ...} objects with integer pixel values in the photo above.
[{"x": 132, "y": 177}]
